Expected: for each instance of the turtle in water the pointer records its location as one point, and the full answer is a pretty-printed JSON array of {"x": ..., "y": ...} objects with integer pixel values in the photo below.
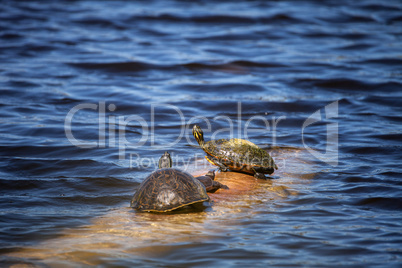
[
  {"x": 168, "y": 189},
  {"x": 236, "y": 154},
  {"x": 208, "y": 180}
]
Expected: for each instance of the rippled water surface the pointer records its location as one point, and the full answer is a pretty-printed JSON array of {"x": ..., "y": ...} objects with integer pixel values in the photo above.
[{"x": 93, "y": 92}]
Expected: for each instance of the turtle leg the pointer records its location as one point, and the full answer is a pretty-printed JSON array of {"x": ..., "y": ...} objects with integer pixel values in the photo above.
[
  {"x": 217, "y": 185},
  {"x": 223, "y": 186},
  {"x": 259, "y": 175},
  {"x": 215, "y": 162}
]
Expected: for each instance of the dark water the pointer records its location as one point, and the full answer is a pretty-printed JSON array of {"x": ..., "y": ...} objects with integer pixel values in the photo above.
[{"x": 133, "y": 77}]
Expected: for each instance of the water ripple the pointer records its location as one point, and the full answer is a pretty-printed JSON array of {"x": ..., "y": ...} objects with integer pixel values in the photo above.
[{"x": 177, "y": 63}]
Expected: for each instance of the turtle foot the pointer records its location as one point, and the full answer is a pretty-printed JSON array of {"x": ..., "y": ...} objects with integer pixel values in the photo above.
[
  {"x": 223, "y": 186},
  {"x": 217, "y": 186},
  {"x": 215, "y": 162},
  {"x": 223, "y": 169},
  {"x": 260, "y": 176}
]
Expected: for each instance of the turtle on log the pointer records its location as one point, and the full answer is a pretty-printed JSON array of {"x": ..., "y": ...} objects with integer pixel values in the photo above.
[
  {"x": 236, "y": 154},
  {"x": 169, "y": 189}
]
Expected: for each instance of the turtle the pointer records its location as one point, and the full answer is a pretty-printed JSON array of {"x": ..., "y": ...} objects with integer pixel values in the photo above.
[
  {"x": 168, "y": 189},
  {"x": 236, "y": 154},
  {"x": 208, "y": 180}
]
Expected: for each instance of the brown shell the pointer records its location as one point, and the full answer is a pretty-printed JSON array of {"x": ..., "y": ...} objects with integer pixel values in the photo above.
[
  {"x": 168, "y": 189},
  {"x": 241, "y": 155}
]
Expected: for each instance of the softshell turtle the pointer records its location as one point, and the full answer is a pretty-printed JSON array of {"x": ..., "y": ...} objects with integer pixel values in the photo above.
[{"x": 236, "y": 154}]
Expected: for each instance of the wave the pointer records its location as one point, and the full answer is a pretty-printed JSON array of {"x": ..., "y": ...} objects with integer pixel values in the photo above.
[
  {"x": 218, "y": 18},
  {"x": 347, "y": 84}
]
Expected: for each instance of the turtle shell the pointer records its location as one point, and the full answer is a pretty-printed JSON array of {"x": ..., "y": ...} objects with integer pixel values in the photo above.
[
  {"x": 168, "y": 189},
  {"x": 240, "y": 155}
]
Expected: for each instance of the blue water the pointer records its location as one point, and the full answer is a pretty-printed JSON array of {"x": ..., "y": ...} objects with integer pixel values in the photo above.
[{"x": 92, "y": 93}]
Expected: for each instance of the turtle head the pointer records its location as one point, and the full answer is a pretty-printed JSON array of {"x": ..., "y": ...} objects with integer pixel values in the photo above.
[
  {"x": 165, "y": 161},
  {"x": 198, "y": 135},
  {"x": 211, "y": 174}
]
